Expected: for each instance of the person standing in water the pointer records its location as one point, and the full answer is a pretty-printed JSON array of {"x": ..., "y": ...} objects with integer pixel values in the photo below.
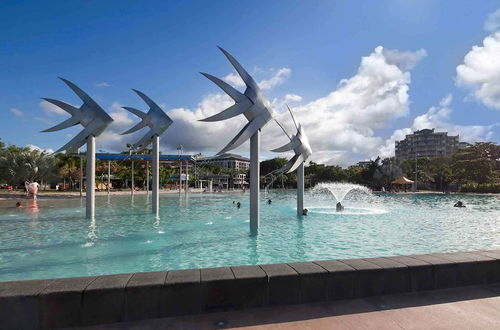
[{"x": 339, "y": 207}]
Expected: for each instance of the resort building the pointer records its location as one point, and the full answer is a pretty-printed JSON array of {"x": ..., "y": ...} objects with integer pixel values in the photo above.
[
  {"x": 426, "y": 143},
  {"x": 226, "y": 161}
]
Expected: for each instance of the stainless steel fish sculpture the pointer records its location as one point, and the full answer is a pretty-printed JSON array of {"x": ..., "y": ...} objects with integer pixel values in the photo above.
[
  {"x": 156, "y": 119},
  {"x": 90, "y": 115},
  {"x": 253, "y": 104},
  {"x": 299, "y": 143}
]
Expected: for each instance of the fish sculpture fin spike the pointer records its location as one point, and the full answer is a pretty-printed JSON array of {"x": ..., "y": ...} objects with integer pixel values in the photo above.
[
  {"x": 63, "y": 105},
  {"x": 293, "y": 117},
  {"x": 81, "y": 94},
  {"x": 147, "y": 100},
  {"x": 232, "y": 111},
  {"x": 283, "y": 128},
  {"x": 241, "y": 71},
  {"x": 137, "y": 127},
  {"x": 298, "y": 161},
  {"x": 228, "y": 146},
  {"x": 232, "y": 92},
  {"x": 287, "y": 147},
  {"x": 65, "y": 124},
  {"x": 136, "y": 112},
  {"x": 78, "y": 140},
  {"x": 247, "y": 131}
]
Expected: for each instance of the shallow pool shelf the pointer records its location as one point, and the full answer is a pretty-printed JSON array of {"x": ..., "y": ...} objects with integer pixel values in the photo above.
[{"x": 93, "y": 300}]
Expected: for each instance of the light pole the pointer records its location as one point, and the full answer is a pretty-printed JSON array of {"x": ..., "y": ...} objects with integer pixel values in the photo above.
[{"x": 180, "y": 149}]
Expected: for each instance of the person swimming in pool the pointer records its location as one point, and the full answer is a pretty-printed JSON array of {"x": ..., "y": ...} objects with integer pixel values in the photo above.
[
  {"x": 339, "y": 207},
  {"x": 238, "y": 205},
  {"x": 459, "y": 204},
  {"x": 305, "y": 212}
]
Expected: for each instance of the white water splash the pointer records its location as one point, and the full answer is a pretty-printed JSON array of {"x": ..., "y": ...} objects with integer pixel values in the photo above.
[{"x": 339, "y": 190}]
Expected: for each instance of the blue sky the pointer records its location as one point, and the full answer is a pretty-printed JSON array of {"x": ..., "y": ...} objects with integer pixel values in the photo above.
[{"x": 303, "y": 49}]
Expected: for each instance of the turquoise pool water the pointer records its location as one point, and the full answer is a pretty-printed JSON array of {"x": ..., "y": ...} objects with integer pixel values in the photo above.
[{"x": 207, "y": 230}]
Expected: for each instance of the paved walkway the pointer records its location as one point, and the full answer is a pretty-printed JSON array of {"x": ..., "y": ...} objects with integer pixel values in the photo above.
[{"x": 463, "y": 308}]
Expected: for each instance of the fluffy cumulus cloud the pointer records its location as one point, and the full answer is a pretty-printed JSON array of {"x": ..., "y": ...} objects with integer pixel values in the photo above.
[
  {"x": 342, "y": 124},
  {"x": 33, "y": 147},
  {"x": 480, "y": 70},
  {"x": 16, "y": 112},
  {"x": 277, "y": 77},
  {"x": 492, "y": 23},
  {"x": 439, "y": 118}
]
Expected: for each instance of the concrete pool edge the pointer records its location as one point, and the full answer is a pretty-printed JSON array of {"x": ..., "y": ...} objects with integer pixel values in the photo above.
[{"x": 127, "y": 297}]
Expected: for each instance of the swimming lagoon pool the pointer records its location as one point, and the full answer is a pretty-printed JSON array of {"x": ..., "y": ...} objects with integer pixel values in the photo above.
[{"x": 53, "y": 239}]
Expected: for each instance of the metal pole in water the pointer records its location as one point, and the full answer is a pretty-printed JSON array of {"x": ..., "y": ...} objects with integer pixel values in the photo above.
[
  {"x": 147, "y": 173},
  {"x": 81, "y": 176},
  {"x": 300, "y": 189},
  {"x": 109, "y": 176},
  {"x": 254, "y": 182},
  {"x": 132, "y": 183},
  {"x": 187, "y": 181},
  {"x": 90, "y": 195},
  {"x": 156, "y": 174}
]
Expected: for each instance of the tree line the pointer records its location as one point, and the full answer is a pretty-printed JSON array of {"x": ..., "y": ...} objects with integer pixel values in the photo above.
[{"x": 473, "y": 168}]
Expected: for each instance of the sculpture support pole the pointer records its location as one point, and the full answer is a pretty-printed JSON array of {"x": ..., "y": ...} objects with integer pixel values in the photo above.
[
  {"x": 109, "y": 176},
  {"x": 90, "y": 195},
  {"x": 147, "y": 174},
  {"x": 187, "y": 175},
  {"x": 81, "y": 176},
  {"x": 254, "y": 182},
  {"x": 300, "y": 189},
  {"x": 156, "y": 174}
]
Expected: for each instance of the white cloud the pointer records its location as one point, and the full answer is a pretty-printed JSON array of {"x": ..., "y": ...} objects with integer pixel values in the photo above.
[
  {"x": 103, "y": 84},
  {"x": 33, "y": 147},
  {"x": 406, "y": 60},
  {"x": 492, "y": 23},
  {"x": 341, "y": 126},
  {"x": 51, "y": 109},
  {"x": 480, "y": 71},
  {"x": 234, "y": 80},
  {"x": 16, "y": 112},
  {"x": 293, "y": 98},
  {"x": 343, "y": 123},
  {"x": 439, "y": 118},
  {"x": 278, "y": 77}
]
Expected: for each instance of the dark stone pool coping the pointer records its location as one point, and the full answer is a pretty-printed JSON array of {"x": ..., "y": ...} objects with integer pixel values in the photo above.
[{"x": 126, "y": 297}]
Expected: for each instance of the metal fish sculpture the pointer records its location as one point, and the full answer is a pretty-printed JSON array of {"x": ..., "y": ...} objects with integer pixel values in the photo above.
[
  {"x": 253, "y": 104},
  {"x": 298, "y": 143},
  {"x": 156, "y": 119},
  {"x": 90, "y": 115}
]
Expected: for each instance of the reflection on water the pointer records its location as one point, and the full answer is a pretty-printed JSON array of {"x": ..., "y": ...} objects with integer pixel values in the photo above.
[{"x": 52, "y": 238}]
